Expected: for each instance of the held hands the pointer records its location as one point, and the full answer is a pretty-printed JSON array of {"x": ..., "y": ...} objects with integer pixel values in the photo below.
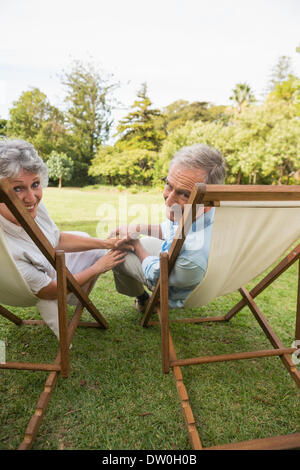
[
  {"x": 123, "y": 244},
  {"x": 126, "y": 232},
  {"x": 118, "y": 249},
  {"x": 124, "y": 237},
  {"x": 128, "y": 237}
]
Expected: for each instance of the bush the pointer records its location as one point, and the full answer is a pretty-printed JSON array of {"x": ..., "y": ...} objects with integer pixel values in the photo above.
[{"x": 124, "y": 167}]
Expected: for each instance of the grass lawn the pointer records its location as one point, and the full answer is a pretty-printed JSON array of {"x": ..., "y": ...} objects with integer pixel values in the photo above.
[{"x": 116, "y": 396}]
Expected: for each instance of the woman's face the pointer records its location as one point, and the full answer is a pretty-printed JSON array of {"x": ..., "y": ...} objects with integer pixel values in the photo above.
[{"x": 27, "y": 187}]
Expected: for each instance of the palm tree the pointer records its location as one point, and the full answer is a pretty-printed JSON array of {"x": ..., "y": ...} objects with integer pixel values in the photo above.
[{"x": 242, "y": 94}]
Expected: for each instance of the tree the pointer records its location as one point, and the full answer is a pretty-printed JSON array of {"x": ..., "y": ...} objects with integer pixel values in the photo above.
[
  {"x": 88, "y": 113},
  {"x": 28, "y": 114},
  {"x": 280, "y": 72},
  {"x": 261, "y": 144},
  {"x": 126, "y": 167},
  {"x": 138, "y": 129},
  {"x": 242, "y": 95},
  {"x": 179, "y": 112},
  {"x": 33, "y": 118},
  {"x": 60, "y": 167},
  {"x": 287, "y": 90}
]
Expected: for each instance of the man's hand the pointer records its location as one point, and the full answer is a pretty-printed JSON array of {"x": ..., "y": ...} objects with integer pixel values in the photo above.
[
  {"x": 133, "y": 231},
  {"x": 126, "y": 232},
  {"x": 123, "y": 244}
]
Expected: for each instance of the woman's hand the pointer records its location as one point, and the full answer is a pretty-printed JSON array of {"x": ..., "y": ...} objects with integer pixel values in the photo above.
[
  {"x": 112, "y": 259},
  {"x": 105, "y": 263}
]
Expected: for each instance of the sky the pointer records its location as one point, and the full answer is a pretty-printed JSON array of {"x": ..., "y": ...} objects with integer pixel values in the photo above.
[{"x": 196, "y": 50}]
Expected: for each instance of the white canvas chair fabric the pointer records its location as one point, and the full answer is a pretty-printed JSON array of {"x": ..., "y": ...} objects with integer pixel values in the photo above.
[
  {"x": 14, "y": 291},
  {"x": 13, "y": 288},
  {"x": 247, "y": 238}
]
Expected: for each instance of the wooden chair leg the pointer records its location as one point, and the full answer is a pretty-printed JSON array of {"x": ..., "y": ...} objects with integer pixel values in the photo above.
[
  {"x": 10, "y": 316},
  {"x": 297, "y": 332},
  {"x": 41, "y": 407},
  {"x": 63, "y": 313},
  {"x": 296, "y": 357},
  {"x": 24, "y": 365},
  {"x": 164, "y": 311}
]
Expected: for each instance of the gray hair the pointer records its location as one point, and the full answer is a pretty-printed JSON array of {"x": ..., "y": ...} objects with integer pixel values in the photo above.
[
  {"x": 203, "y": 157},
  {"x": 17, "y": 155}
]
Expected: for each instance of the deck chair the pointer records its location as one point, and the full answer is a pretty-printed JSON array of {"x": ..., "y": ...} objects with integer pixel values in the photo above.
[
  {"x": 14, "y": 292},
  {"x": 253, "y": 228}
]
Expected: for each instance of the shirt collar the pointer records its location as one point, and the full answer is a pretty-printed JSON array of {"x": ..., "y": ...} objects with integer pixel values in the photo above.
[
  {"x": 15, "y": 230},
  {"x": 208, "y": 220}
]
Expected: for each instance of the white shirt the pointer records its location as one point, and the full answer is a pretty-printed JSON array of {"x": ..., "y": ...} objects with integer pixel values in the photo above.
[{"x": 32, "y": 264}]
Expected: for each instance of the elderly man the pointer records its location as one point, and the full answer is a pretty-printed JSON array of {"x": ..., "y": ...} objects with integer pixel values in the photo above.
[{"x": 195, "y": 164}]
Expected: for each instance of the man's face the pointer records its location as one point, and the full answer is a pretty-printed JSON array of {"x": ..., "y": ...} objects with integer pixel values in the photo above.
[{"x": 179, "y": 184}]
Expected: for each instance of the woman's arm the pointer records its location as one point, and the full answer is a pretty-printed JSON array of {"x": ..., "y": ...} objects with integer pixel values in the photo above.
[
  {"x": 69, "y": 242},
  {"x": 103, "y": 264}
]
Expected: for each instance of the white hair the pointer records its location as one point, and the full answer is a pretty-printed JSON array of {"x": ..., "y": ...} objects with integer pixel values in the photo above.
[
  {"x": 17, "y": 155},
  {"x": 204, "y": 157}
]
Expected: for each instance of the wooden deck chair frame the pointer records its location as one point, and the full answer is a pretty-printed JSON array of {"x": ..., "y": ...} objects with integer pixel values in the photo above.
[
  {"x": 212, "y": 195},
  {"x": 65, "y": 280}
]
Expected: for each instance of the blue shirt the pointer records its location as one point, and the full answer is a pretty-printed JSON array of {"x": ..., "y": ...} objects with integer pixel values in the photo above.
[{"x": 191, "y": 263}]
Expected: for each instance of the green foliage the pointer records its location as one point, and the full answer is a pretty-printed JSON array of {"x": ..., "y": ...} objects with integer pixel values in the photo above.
[
  {"x": 80, "y": 176},
  {"x": 288, "y": 91},
  {"x": 138, "y": 130},
  {"x": 124, "y": 167},
  {"x": 33, "y": 118},
  {"x": 242, "y": 96},
  {"x": 179, "y": 112},
  {"x": 131, "y": 160},
  {"x": 134, "y": 158},
  {"x": 88, "y": 113},
  {"x": 60, "y": 167},
  {"x": 261, "y": 144},
  {"x": 280, "y": 72},
  {"x": 28, "y": 114},
  {"x": 267, "y": 144}
]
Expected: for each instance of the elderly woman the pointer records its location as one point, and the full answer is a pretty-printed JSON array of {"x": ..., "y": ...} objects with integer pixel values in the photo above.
[{"x": 86, "y": 257}]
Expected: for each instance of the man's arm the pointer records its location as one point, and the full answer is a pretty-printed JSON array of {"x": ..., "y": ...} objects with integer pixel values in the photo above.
[
  {"x": 72, "y": 243},
  {"x": 132, "y": 231},
  {"x": 185, "y": 273}
]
